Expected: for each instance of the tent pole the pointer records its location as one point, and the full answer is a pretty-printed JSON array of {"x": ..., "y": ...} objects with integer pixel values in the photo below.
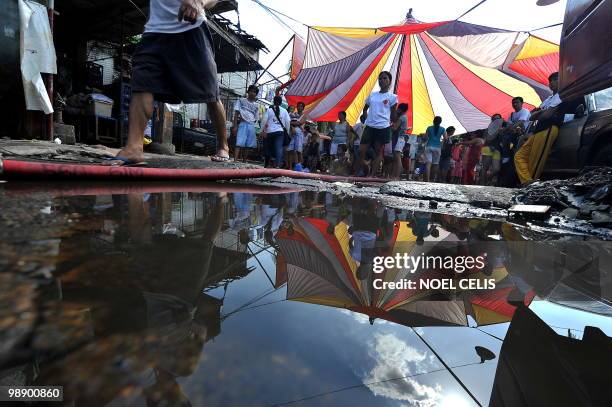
[
  {"x": 447, "y": 368},
  {"x": 274, "y": 60}
]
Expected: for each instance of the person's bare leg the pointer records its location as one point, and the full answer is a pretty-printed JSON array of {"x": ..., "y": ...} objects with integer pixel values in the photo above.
[
  {"x": 397, "y": 165},
  {"x": 236, "y": 153},
  {"x": 217, "y": 114},
  {"x": 377, "y": 161},
  {"x": 363, "y": 150},
  {"x": 427, "y": 171},
  {"x": 141, "y": 110},
  {"x": 434, "y": 172}
]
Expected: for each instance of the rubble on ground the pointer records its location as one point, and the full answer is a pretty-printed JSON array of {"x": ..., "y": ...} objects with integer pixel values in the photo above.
[{"x": 587, "y": 197}]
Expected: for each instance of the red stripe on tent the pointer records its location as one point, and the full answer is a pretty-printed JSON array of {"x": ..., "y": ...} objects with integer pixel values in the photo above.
[
  {"x": 298, "y": 56},
  {"x": 404, "y": 80},
  {"x": 412, "y": 28},
  {"x": 538, "y": 68},
  {"x": 484, "y": 96},
  {"x": 497, "y": 301},
  {"x": 293, "y": 100},
  {"x": 345, "y": 102}
]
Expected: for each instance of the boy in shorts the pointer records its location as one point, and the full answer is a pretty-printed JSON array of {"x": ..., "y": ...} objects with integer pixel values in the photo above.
[
  {"x": 380, "y": 108},
  {"x": 174, "y": 62},
  {"x": 247, "y": 110}
]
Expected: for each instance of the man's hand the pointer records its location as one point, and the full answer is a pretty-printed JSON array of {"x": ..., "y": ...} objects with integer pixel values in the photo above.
[{"x": 190, "y": 10}]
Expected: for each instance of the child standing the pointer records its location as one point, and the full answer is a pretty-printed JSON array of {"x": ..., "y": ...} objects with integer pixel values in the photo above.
[
  {"x": 400, "y": 127},
  {"x": 380, "y": 108},
  {"x": 312, "y": 152},
  {"x": 457, "y": 156}
]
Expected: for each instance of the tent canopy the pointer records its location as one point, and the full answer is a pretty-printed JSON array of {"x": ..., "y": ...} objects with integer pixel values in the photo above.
[{"x": 461, "y": 71}]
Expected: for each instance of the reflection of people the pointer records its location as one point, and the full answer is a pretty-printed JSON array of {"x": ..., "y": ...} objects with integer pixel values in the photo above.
[
  {"x": 421, "y": 229},
  {"x": 363, "y": 231},
  {"x": 165, "y": 392},
  {"x": 151, "y": 298}
]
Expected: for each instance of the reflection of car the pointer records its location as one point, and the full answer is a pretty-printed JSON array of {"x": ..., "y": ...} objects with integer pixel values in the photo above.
[{"x": 586, "y": 140}]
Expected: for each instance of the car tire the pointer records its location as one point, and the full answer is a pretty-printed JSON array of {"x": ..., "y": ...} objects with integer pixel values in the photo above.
[{"x": 603, "y": 158}]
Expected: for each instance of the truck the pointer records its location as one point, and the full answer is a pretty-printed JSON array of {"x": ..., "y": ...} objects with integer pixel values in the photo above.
[
  {"x": 585, "y": 66},
  {"x": 585, "y": 140}
]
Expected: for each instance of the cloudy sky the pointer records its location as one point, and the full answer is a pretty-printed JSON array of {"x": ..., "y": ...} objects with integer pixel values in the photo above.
[{"x": 519, "y": 15}]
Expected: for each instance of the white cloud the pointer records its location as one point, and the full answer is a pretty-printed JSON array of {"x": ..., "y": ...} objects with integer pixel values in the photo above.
[
  {"x": 396, "y": 359},
  {"x": 363, "y": 318}
]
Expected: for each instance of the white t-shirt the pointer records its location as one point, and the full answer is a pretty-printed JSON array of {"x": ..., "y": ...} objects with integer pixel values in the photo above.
[
  {"x": 551, "y": 101},
  {"x": 271, "y": 123},
  {"x": 249, "y": 111},
  {"x": 522, "y": 115},
  {"x": 379, "y": 111},
  {"x": 163, "y": 18}
]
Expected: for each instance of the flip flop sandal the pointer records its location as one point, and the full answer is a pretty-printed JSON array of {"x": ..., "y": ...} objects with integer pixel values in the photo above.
[
  {"x": 220, "y": 159},
  {"x": 126, "y": 162}
]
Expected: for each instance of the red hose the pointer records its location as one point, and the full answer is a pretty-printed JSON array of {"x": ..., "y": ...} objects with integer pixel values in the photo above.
[{"x": 16, "y": 169}]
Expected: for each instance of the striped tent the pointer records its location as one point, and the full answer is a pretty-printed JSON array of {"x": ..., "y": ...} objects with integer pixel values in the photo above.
[{"x": 460, "y": 71}]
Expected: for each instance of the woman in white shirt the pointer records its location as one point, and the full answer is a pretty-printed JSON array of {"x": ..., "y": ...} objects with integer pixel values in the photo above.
[{"x": 274, "y": 126}]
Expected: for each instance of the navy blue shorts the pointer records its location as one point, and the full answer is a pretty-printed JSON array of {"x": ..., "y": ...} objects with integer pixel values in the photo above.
[{"x": 176, "y": 67}]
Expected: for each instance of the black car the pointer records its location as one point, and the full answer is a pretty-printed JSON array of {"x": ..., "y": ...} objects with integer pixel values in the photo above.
[{"x": 585, "y": 140}]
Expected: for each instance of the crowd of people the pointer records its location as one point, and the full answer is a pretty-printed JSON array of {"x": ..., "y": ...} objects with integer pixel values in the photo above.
[{"x": 380, "y": 144}]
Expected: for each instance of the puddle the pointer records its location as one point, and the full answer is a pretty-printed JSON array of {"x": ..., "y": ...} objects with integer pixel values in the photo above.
[{"x": 139, "y": 296}]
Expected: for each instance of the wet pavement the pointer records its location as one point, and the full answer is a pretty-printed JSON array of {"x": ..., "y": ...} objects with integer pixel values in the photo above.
[{"x": 183, "y": 295}]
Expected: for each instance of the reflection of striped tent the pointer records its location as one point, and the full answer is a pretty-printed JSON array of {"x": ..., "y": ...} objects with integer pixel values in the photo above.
[
  {"x": 460, "y": 71},
  {"x": 320, "y": 270}
]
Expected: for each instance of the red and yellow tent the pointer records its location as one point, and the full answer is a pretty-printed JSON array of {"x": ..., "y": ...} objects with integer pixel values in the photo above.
[{"x": 463, "y": 72}]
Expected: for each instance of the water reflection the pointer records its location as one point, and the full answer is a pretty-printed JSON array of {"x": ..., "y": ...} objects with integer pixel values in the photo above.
[{"x": 244, "y": 298}]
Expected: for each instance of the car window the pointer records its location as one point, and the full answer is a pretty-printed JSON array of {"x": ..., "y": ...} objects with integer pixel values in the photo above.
[{"x": 601, "y": 100}]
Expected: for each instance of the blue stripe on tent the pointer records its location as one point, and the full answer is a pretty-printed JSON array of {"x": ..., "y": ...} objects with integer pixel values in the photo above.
[
  {"x": 319, "y": 79},
  {"x": 459, "y": 29}
]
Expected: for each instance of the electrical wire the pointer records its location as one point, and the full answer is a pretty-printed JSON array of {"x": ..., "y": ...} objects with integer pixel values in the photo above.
[
  {"x": 280, "y": 13},
  {"x": 373, "y": 383},
  {"x": 543, "y": 28},
  {"x": 470, "y": 10},
  {"x": 138, "y": 8},
  {"x": 272, "y": 13}
]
